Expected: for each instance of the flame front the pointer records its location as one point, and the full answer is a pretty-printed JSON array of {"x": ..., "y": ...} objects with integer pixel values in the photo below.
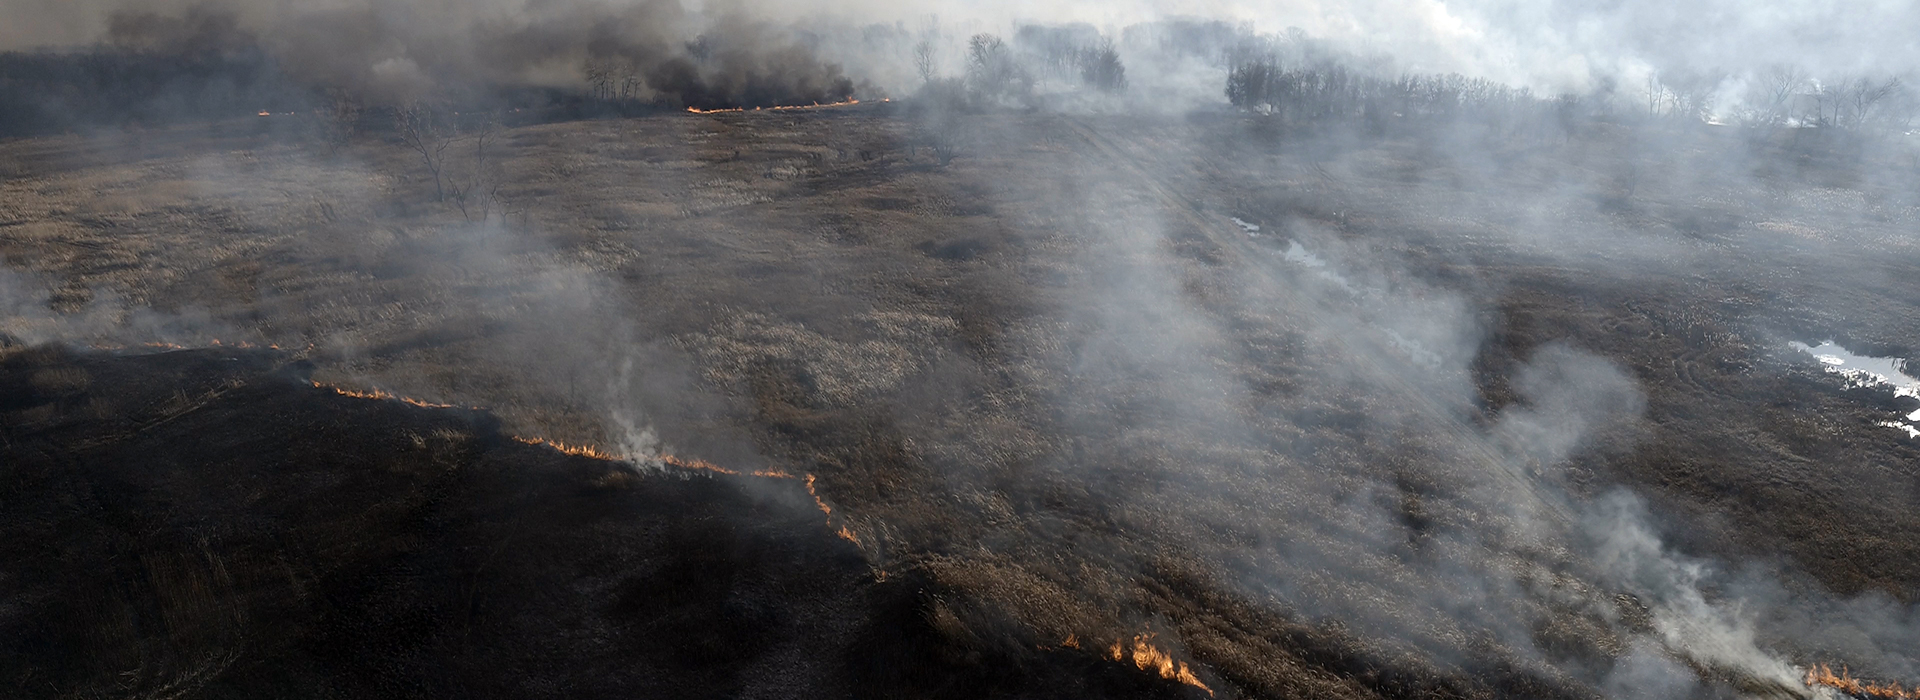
[
  {"x": 777, "y": 108},
  {"x": 575, "y": 450},
  {"x": 380, "y": 395},
  {"x": 845, "y": 533},
  {"x": 1820, "y": 676},
  {"x": 1148, "y": 657},
  {"x": 592, "y": 452}
]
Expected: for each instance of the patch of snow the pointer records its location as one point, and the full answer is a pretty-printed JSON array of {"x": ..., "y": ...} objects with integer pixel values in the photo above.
[{"x": 1861, "y": 370}]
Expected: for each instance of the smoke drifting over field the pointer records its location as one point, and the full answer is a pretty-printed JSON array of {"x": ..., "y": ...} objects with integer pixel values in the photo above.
[
  {"x": 1723, "y": 55},
  {"x": 1228, "y": 355}
]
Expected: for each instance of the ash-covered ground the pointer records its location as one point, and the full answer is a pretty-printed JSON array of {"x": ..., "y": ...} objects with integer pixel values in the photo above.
[{"x": 939, "y": 397}]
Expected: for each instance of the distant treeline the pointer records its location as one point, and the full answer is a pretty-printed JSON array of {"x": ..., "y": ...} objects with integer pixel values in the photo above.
[
  {"x": 1297, "y": 78},
  {"x": 203, "y": 62},
  {"x": 44, "y": 93},
  {"x": 1778, "y": 97},
  {"x": 1333, "y": 91},
  {"x": 51, "y": 92}
]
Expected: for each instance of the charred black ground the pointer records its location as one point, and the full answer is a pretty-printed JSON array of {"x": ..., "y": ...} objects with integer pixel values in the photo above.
[{"x": 208, "y": 523}]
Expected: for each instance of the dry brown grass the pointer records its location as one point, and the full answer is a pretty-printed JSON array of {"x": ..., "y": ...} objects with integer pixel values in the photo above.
[{"x": 969, "y": 358}]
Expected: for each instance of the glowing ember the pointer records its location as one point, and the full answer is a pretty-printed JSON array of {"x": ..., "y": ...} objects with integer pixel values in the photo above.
[
  {"x": 1820, "y": 676},
  {"x": 778, "y": 108},
  {"x": 265, "y": 113},
  {"x": 1148, "y": 657},
  {"x": 1071, "y": 642}
]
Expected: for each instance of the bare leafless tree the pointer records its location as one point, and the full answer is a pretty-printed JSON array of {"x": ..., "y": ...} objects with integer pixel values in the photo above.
[
  {"x": 477, "y": 187},
  {"x": 923, "y": 60},
  {"x": 426, "y": 132},
  {"x": 1689, "y": 94},
  {"x": 1862, "y": 95},
  {"x": 600, "y": 78},
  {"x": 991, "y": 69},
  {"x": 1780, "y": 86}
]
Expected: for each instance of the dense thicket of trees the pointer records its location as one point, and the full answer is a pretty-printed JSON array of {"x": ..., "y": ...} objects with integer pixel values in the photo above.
[{"x": 1072, "y": 53}]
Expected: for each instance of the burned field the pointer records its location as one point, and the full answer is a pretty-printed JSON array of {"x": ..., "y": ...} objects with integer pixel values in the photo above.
[{"x": 1094, "y": 406}]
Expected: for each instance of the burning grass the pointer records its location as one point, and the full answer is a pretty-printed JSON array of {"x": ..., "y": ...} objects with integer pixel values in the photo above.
[
  {"x": 844, "y": 532},
  {"x": 967, "y": 382},
  {"x": 1148, "y": 657},
  {"x": 379, "y": 395},
  {"x": 779, "y": 108},
  {"x": 1822, "y": 676},
  {"x": 588, "y": 451},
  {"x": 1144, "y": 655}
]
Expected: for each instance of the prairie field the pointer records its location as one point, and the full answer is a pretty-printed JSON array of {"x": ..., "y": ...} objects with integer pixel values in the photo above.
[{"x": 1307, "y": 411}]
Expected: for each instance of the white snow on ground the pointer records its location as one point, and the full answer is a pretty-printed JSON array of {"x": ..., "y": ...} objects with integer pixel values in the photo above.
[{"x": 1869, "y": 371}]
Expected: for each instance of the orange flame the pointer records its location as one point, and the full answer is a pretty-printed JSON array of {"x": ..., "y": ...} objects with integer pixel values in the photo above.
[
  {"x": 1819, "y": 675},
  {"x": 593, "y": 452},
  {"x": 777, "y": 108},
  {"x": 590, "y": 451},
  {"x": 1148, "y": 657},
  {"x": 379, "y": 395},
  {"x": 845, "y": 532},
  {"x": 668, "y": 460},
  {"x": 824, "y": 508},
  {"x": 575, "y": 450}
]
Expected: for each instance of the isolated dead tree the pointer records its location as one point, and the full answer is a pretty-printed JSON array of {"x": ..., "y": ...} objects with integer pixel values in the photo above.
[
  {"x": 428, "y": 135},
  {"x": 923, "y": 60},
  {"x": 474, "y": 191}
]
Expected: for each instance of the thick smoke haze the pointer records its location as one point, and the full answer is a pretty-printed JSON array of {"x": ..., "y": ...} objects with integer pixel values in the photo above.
[
  {"x": 1551, "y": 47},
  {"x": 1471, "y": 528}
]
